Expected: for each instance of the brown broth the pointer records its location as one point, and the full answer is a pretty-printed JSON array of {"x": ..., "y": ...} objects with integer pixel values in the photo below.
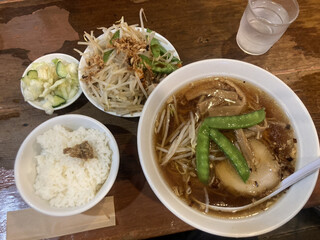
[{"x": 279, "y": 137}]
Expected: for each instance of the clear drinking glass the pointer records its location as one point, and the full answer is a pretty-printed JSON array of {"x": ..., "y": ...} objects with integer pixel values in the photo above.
[{"x": 263, "y": 23}]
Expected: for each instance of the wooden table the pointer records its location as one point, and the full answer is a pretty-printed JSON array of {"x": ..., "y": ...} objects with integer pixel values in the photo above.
[{"x": 199, "y": 29}]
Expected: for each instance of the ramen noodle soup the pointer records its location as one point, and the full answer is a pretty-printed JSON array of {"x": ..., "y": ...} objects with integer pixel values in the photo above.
[{"x": 224, "y": 142}]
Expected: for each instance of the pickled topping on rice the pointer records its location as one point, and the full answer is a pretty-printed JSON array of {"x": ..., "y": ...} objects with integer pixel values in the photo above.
[{"x": 83, "y": 151}]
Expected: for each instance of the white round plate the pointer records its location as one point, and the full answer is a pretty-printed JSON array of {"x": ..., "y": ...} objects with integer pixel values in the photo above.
[
  {"x": 307, "y": 142},
  {"x": 48, "y": 58},
  {"x": 164, "y": 42}
]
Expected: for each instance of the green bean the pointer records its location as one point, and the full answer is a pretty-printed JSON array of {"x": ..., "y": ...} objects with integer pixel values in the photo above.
[
  {"x": 202, "y": 154},
  {"x": 236, "y": 122},
  {"x": 232, "y": 153}
]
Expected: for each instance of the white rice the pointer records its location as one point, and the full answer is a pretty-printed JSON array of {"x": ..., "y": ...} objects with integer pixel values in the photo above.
[{"x": 67, "y": 181}]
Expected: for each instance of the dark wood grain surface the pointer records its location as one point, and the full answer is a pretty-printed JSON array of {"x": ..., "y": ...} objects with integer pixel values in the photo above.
[{"x": 199, "y": 29}]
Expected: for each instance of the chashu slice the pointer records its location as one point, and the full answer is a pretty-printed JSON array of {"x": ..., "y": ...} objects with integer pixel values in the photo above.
[{"x": 263, "y": 178}]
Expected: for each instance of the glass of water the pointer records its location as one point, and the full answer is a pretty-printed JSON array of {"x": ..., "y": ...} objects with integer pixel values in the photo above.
[{"x": 264, "y": 22}]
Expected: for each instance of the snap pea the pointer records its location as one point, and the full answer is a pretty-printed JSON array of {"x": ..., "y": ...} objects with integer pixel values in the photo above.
[
  {"x": 202, "y": 154},
  {"x": 232, "y": 153},
  {"x": 211, "y": 125},
  {"x": 236, "y": 122}
]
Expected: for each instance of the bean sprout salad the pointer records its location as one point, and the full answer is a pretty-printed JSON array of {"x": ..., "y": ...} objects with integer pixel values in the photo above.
[{"x": 124, "y": 65}]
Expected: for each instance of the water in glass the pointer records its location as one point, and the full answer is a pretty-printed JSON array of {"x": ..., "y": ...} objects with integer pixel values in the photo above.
[{"x": 261, "y": 26}]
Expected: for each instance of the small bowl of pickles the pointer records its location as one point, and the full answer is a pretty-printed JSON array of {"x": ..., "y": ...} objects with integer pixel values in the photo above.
[{"x": 51, "y": 82}]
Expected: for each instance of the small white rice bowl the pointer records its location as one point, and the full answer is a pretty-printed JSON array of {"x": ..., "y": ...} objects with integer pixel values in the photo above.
[
  {"x": 57, "y": 184},
  {"x": 67, "y": 181}
]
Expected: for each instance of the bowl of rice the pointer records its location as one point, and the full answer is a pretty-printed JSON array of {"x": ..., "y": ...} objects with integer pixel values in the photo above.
[{"x": 66, "y": 165}]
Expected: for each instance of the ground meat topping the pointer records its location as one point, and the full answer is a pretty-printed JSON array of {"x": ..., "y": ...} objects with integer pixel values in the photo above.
[{"x": 83, "y": 150}]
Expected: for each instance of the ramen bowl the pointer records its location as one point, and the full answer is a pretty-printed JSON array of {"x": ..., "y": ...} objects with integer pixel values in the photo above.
[{"x": 288, "y": 204}]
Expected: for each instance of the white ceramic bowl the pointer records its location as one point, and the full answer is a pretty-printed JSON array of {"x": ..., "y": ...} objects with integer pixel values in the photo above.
[
  {"x": 164, "y": 42},
  {"x": 308, "y": 148},
  {"x": 48, "y": 58},
  {"x": 25, "y": 166}
]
